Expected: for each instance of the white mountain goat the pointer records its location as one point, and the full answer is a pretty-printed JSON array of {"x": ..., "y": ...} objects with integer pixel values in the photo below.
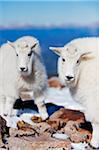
[
  {"x": 78, "y": 68},
  {"x": 22, "y": 69}
]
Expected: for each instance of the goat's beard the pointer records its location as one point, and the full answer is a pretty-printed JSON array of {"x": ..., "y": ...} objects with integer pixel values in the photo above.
[
  {"x": 71, "y": 83},
  {"x": 25, "y": 74}
]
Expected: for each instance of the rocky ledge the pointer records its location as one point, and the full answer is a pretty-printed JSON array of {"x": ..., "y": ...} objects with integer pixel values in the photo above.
[{"x": 63, "y": 128}]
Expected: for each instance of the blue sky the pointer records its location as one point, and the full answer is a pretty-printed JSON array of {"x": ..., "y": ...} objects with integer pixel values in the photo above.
[{"x": 38, "y": 13}]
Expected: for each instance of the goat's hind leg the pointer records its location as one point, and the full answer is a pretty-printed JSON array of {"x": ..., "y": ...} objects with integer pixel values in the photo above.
[
  {"x": 95, "y": 135},
  {"x": 2, "y": 105}
]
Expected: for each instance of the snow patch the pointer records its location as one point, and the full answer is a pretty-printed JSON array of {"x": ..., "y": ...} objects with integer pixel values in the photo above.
[
  {"x": 60, "y": 136},
  {"x": 62, "y": 97},
  {"x": 12, "y": 121},
  {"x": 79, "y": 146}
]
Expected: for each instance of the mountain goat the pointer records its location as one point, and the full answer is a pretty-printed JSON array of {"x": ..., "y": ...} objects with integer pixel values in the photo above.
[
  {"x": 22, "y": 69},
  {"x": 78, "y": 69}
]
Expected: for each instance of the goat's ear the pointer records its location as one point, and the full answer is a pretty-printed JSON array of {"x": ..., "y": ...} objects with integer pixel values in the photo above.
[
  {"x": 35, "y": 44},
  {"x": 11, "y": 44},
  {"x": 84, "y": 53},
  {"x": 56, "y": 50}
]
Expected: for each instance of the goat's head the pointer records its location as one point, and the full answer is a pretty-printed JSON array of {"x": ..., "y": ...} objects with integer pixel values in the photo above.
[
  {"x": 25, "y": 54},
  {"x": 69, "y": 63}
]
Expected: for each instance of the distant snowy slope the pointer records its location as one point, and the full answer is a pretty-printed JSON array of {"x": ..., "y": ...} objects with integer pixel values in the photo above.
[{"x": 62, "y": 97}]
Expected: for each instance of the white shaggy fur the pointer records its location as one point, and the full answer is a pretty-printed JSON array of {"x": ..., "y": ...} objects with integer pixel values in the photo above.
[
  {"x": 78, "y": 68},
  {"x": 23, "y": 53}
]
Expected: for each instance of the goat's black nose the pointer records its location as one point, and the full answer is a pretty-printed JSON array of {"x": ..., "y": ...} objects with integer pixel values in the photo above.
[
  {"x": 69, "y": 78},
  {"x": 23, "y": 69}
]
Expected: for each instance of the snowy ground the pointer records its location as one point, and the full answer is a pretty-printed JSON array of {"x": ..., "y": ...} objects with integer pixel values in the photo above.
[{"x": 62, "y": 97}]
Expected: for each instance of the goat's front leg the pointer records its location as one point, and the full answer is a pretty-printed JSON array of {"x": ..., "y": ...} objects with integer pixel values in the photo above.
[
  {"x": 39, "y": 101},
  {"x": 9, "y": 111}
]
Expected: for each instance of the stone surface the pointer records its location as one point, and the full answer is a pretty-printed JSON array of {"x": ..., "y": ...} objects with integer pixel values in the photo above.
[
  {"x": 36, "y": 119},
  {"x": 40, "y": 135},
  {"x": 3, "y": 130},
  {"x": 41, "y": 143},
  {"x": 61, "y": 117},
  {"x": 75, "y": 133}
]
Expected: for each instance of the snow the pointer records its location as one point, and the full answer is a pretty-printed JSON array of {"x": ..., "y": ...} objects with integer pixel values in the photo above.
[
  {"x": 79, "y": 146},
  {"x": 61, "y": 136},
  {"x": 12, "y": 121},
  {"x": 26, "y": 117},
  {"x": 62, "y": 97}
]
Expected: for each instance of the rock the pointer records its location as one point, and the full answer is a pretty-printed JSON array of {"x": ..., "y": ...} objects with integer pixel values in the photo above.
[
  {"x": 62, "y": 116},
  {"x": 71, "y": 128},
  {"x": 68, "y": 122},
  {"x": 54, "y": 124},
  {"x": 24, "y": 126},
  {"x": 39, "y": 136},
  {"x": 86, "y": 135},
  {"x": 43, "y": 127},
  {"x": 3, "y": 130},
  {"x": 40, "y": 143},
  {"x": 36, "y": 129},
  {"x": 54, "y": 82},
  {"x": 36, "y": 119},
  {"x": 67, "y": 114},
  {"x": 20, "y": 133}
]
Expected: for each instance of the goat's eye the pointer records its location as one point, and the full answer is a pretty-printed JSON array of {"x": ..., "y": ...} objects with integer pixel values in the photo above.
[
  {"x": 16, "y": 54},
  {"x": 63, "y": 59},
  {"x": 30, "y": 54},
  {"x": 78, "y": 61}
]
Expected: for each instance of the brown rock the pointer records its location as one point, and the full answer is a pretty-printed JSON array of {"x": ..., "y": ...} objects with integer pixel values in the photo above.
[
  {"x": 24, "y": 126},
  {"x": 43, "y": 127},
  {"x": 37, "y": 128},
  {"x": 36, "y": 119},
  {"x": 54, "y": 82},
  {"x": 21, "y": 133},
  {"x": 39, "y": 135},
  {"x": 3, "y": 129},
  {"x": 75, "y": 133},
  {"x": 62, "y": 116},
  {"x": 54, "y": 124},
  {"x": 39, "y": 143},
  {"x": 68, "y": 121},
  {"x": 71, "y": 128},
  {"x": 86, "y": 135}
]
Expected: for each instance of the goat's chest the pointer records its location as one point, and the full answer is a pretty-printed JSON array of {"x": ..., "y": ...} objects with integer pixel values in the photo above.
[{"x": 25, "y": 85}]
